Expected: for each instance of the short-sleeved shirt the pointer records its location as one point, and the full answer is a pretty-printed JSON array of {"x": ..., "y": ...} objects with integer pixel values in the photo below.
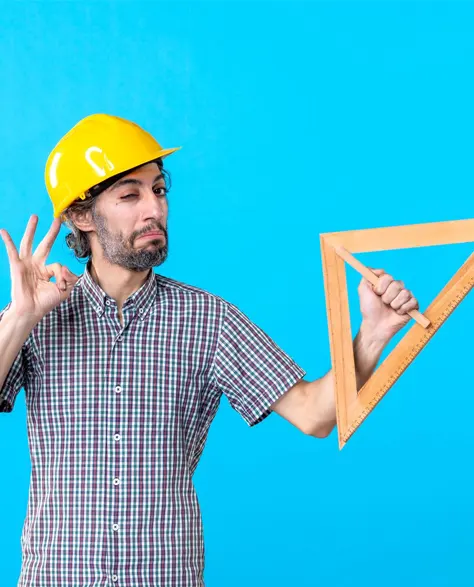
[{"x": 117, "y": 419}]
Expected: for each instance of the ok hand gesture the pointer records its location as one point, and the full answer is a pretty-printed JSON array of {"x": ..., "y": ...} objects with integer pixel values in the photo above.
[{"x": 33, "y": 294}]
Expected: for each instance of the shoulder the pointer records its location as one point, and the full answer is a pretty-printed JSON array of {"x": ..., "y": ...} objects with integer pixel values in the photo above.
[{"x": 172, "y": 290}]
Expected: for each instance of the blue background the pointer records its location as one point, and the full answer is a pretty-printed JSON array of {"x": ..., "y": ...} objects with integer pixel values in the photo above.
[{"x": 295, "y": 119}]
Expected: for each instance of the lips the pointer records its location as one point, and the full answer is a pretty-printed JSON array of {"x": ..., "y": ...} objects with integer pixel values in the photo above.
[{"x": 151, "y": 234}]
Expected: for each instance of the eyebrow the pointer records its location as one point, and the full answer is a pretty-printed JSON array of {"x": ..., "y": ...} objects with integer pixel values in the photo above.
[{"x": 128, "y": 180}]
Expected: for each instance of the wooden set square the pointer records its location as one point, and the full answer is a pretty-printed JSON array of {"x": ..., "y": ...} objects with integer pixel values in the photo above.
[{"x": 337, "y": 248}]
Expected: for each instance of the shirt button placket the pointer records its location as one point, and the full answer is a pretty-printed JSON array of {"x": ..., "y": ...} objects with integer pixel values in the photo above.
[{"x": 116, "y": 481}]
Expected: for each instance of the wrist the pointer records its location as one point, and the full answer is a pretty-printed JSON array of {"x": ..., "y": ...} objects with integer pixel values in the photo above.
[
  {"x": 373, "y": 337},
  {"x": 368, "y": 347},
  {"x": 21, "y": 319}
]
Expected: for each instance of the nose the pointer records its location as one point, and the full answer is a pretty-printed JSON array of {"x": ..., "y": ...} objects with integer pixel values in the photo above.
[{"x": 154, "y": 207}]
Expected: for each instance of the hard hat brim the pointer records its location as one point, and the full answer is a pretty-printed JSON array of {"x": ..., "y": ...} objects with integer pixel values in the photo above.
[{"x": 160, "y": 154}]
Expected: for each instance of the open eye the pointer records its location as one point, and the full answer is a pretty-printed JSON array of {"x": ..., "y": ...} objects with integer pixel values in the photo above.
[{"x": 165, "y": 190}]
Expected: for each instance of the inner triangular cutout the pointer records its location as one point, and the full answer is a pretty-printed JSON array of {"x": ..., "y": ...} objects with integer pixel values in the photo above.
[{"x": 337, "y": 249}]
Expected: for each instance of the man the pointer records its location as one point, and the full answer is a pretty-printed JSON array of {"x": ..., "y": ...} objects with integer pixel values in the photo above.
[{"x": 123, "y": 371}]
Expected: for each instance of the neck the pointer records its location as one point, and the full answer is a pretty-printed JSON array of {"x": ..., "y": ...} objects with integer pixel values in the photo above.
[{"x": 117, "y": 282}]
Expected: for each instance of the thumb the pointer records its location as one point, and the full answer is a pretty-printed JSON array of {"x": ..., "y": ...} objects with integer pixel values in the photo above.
[{"x": 365, "y": 283}]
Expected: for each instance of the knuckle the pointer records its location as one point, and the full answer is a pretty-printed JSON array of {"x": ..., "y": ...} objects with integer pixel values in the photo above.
[{"x": 381, "y": 286}]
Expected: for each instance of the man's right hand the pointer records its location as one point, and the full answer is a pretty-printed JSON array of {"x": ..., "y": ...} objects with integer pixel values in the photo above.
[{"x": 33, "y": 294}]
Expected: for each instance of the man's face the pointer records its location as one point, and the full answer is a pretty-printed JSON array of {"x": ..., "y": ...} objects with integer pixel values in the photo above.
[{"x": 129, "y": 208}]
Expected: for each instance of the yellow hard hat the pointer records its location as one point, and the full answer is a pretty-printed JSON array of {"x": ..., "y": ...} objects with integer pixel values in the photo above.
[{"x": 97, "y": 148}]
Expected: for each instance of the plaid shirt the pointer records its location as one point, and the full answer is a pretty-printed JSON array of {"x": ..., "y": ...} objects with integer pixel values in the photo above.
[{"x": 117, "y": 419}]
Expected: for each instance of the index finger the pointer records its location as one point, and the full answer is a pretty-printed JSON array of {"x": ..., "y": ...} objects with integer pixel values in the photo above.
[{"x": 44, "y": 248}]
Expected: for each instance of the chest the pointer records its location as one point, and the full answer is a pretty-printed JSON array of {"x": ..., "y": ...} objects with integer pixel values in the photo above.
[{"x": 152, "y": 373}]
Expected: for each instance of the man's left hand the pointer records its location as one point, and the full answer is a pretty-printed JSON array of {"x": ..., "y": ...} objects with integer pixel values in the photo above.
[{"x": 384, "y": 307}]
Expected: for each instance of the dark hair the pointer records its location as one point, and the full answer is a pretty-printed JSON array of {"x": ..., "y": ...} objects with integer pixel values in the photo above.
[{"x": 78, "y": 240}]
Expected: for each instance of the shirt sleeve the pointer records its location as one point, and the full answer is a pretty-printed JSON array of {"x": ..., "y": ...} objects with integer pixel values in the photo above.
[
  {"x": 250, "y": 368},
  {"x": 15, "y": 379}
]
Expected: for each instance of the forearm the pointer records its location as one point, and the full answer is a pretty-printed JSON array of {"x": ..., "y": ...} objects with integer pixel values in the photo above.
[
  {"x": 14, "y": 331},
  {"x": 320, "y": 394},
  {"x": 368, "y": 348}
]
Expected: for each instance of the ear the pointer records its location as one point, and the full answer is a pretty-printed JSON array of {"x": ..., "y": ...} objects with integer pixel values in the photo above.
[{"x": 83, "y": 220}]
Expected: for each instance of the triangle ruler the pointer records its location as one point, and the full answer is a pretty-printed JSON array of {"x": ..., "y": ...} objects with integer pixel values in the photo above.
[{"x": 354, "y": 405}]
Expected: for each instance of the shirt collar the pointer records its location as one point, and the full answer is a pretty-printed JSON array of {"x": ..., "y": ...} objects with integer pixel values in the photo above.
[{"x": 141, "y": 300}]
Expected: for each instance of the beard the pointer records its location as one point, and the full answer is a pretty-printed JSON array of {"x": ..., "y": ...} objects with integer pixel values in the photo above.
[{"x": 118, "y": 250}]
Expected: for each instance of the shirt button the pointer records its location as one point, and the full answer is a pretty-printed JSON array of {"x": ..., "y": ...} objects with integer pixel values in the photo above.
[
  {"x": 114, "y": 578},
  {"x": 118, "y": 389},
  {"x": 108, "y": 302},
  {"x": 140, "y": 311},
  {"x": 115, "y": 527},
  {"x": 117, "y": 437},
  {"x": 116, "y": 481},
  {"x": 120, "y": 337}
]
